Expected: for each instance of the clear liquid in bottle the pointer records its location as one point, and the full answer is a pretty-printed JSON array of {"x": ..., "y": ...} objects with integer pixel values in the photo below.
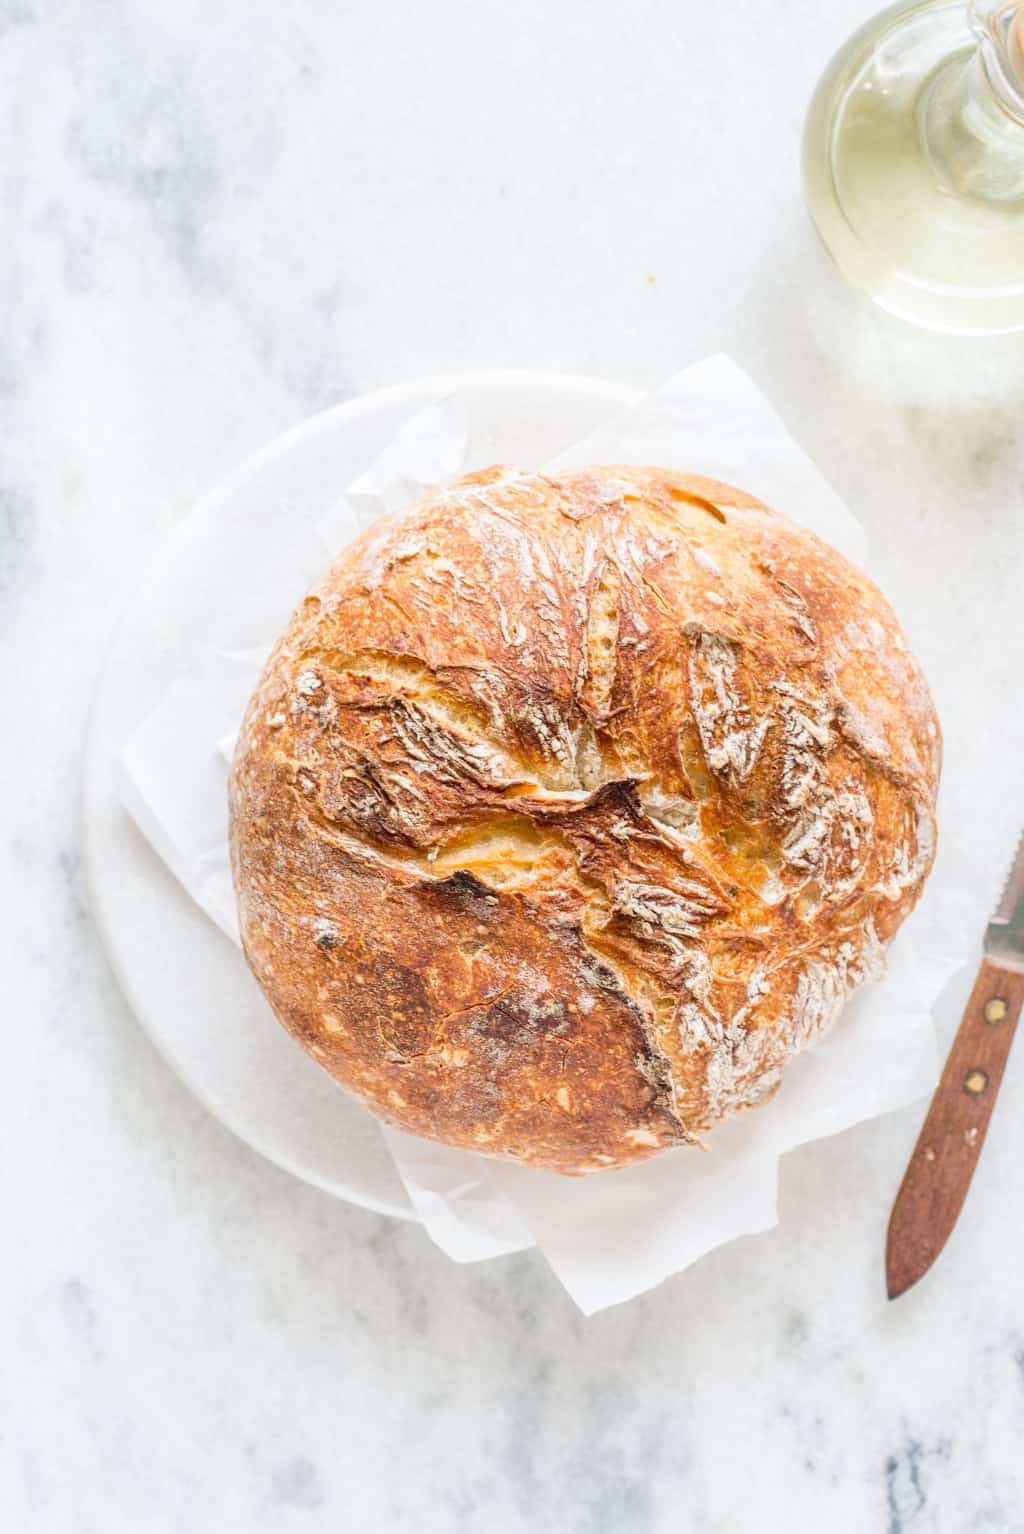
[{"x": 913, "y": 163}]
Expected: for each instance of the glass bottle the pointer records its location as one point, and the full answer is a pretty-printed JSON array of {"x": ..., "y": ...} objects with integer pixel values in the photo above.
[{"x": 913, "y": 163}]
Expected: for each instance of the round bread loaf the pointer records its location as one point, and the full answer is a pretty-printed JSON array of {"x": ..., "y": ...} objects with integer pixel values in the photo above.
[{"x": 569, "y": 807}]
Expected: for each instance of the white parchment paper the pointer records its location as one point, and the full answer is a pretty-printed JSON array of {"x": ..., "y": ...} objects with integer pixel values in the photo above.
[{"x": 613, "y": 1234}]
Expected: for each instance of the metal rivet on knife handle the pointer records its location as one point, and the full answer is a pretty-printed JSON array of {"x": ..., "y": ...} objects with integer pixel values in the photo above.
[
  {"x": 975, "y": 1082},
  {"x": 996, "y": 1010}
]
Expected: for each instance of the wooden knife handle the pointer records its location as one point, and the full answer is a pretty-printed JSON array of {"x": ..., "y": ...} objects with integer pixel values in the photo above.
[{"x": 936, "y": 1180}]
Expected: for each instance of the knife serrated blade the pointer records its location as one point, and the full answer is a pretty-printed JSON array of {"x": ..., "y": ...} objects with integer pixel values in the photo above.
[
  {"x": 1004, "y": 935},
  {"x": 940, "y": 1170}
]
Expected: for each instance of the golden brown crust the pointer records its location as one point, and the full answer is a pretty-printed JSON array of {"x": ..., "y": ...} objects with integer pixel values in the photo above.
[{"x": 567, "y": 808}]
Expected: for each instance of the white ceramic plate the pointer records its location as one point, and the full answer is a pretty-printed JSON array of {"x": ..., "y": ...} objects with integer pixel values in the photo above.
[{"x": 187, "y": 983}]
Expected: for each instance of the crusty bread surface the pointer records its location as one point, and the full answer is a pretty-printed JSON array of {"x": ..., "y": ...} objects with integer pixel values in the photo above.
[{"x": 568, "y": 808}]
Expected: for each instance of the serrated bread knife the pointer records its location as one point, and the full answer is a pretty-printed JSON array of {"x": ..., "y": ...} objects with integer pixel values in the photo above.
[{"x": 940, "y": 1170}]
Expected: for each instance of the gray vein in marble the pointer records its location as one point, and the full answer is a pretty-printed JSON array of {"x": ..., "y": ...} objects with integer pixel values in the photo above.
[
  {"x": 149, "y": 139},
  {"x": 906, "y": 1480}
]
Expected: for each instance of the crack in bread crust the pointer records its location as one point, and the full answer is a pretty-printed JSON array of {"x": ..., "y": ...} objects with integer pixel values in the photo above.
[{"x": 569, "y": 808}]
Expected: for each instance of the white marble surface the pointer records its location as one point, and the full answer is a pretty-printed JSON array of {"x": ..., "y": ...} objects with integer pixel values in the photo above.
[{"x": 218, "y": 219}]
